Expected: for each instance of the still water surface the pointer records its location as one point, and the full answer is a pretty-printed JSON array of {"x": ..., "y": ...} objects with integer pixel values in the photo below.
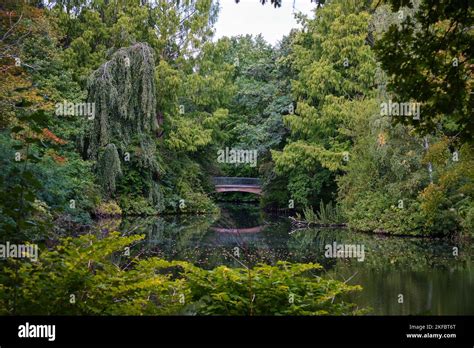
[{"x": 431, "y": 280}]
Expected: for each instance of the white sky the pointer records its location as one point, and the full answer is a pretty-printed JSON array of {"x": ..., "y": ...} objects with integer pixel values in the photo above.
[{"x": 251, "y": 17}]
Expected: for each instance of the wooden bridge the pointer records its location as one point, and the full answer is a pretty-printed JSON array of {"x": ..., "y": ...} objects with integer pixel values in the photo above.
[{"x": 237, "y": 184}]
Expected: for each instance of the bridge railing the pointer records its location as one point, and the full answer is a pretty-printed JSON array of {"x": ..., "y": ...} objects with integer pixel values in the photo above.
[{"x": 236, "y": 181}]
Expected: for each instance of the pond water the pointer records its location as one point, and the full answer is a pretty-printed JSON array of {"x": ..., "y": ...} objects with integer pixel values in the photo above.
[{"x": 431, "y": 279}]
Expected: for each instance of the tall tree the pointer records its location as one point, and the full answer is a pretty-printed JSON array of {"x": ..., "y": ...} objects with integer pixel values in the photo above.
[
  {"x": 335, "y": 75},
  {"x": 428, "y": 57},
  {"x": 92, "y": 30},
  {"x": 124, "y": 93}
]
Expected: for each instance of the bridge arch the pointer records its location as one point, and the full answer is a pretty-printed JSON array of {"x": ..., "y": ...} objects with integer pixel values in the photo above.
[{"x": 237, "y": 184}]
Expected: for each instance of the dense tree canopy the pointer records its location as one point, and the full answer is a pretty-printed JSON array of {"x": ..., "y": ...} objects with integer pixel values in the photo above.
[
  {"x": 428, "y": 57},
  {"x": 121, "y": 108},
  {"x": 335, "y": 76}
]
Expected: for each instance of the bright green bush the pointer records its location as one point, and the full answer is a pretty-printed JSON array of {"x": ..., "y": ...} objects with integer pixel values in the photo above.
[
  {"x": 107, "y": 209},
  {"x": 102, "y": 280},
  {"x": 283, "y": 289}
]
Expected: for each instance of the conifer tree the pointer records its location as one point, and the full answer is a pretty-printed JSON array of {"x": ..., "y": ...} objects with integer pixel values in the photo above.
[{"x": 335, "y": 69}]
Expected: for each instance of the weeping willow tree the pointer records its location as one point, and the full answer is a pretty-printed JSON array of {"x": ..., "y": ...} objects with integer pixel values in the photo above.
[
  {"x": 123, "y": 135},
  {"x": 109, "y": 169}
]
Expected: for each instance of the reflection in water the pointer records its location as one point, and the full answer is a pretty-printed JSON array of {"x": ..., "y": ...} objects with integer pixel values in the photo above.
[
  {"x": 238, "y": 230},
  {"x": 425, "y": 272}
]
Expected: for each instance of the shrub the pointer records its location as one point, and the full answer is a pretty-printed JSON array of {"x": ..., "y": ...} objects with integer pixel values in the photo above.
[
  {"x": 108, "y": 209},
  {"x": 103, "y": 281},
  {"x": 327, "y": 214},
  {"x": 136, "y": 205},
  {"x": 283, "y": 289}
]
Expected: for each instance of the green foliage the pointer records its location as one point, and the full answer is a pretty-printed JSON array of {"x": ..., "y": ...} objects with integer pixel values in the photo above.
[
  {"x": 274, "y": 187},
  {"x": 37, "y": 189},
  {"x": 108, "y": 209},
  {"x": 378, "y": 212},
  {"x": 193, "y": 102},
  {"x": 123, "y": 90},
  {"x": 283, "y": 289},
  {"x": 91, "y": 29},
  {"x": 109, "y": 169},
  {"x": 261, "y": 99},
  {"x": 125, "y": 102},
  {"x": 446, "y": 202},
  {"x": 136, "y": 205},
  {"x": 22, "y": 216},
  {"x": 186, "y": 194},
  {"x": 387, "y": 186},
  {"x": 333, "y": 86},
  {"x": 384, "y": 172},
  {"x": 133, "y": 121},
  {"x": 104, "y": 282},
  {"x": 389, "y": 179},
  {"x": 62, "y": 182},
  {"x": 327, "y": 214},
  {"x": 431, "y": 52},
  {"x": 468, "y": 221},
  {"x": 84, "y": 267}
]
